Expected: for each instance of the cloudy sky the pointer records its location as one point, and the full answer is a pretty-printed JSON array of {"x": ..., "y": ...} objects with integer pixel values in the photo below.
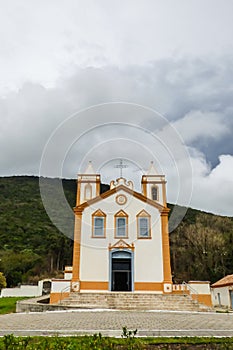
[{"x": 159, "y": 59}]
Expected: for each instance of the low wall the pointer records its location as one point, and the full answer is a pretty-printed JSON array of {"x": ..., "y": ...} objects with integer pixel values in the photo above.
[
  {"x": 22, "y": 291},
  {"x": 202, "y": 288},
  {"x": 27, "y": 290},
  {"x": 198, "y": 290},
  {"x": 40, "y": 304}
]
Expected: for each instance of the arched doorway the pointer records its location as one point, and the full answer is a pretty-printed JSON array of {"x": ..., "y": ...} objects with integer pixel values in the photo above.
[{"x": 121, "y": 271}]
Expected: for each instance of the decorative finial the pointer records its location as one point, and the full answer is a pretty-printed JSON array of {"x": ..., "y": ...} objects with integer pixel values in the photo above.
[{"x": 89, "y": 169}]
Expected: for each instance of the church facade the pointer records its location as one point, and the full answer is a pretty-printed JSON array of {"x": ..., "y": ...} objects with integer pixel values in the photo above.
[
  {"x": 121, "y": 241},
  {"x": 121, "y": 238}
]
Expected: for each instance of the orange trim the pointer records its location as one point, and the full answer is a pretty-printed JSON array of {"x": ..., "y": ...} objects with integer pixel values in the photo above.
[
  {"x": 78, "y": 209},
  {"x": 91, "y": 285},
  {"x": 165, "y": 246},
  {"x": 93, "y": 175},
  {"x": 203, "y": 298},
  {"x": 121, "y": 213},
  {"x": 143, "y": 214},
  {"x": 164, "y": 194},
  {"x": 118, "y": 199},
  {"x": 78, "y": 194},
  {"x": 97, "y": 187},
  {"x": 76, "y": 247},
  {"x": 56, "y": 297},
  {"x": 144, "y": 186},
  {"x": 87, "y": 181},
  {"x": 148, "y": 286},
  {"x": 121, "y": 244},
  {"x": 101, "y": 214},
  {"x": 117, "y": 189}
]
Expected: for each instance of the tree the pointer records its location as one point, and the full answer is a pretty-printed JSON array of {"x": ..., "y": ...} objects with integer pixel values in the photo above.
[
  {"x": 17, "y": 265},
  {"x": 2, "y": 281}
]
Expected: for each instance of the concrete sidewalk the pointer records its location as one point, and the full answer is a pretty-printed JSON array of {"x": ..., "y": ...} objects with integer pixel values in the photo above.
[{"x": 110, "y": 323}]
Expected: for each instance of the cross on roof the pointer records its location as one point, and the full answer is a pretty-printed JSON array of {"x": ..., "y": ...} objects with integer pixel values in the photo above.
[{"x": 121, "y": 166}]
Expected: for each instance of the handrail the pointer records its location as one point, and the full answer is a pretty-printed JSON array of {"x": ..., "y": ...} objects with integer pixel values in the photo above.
[
  {"x": 191, "y": 289},
  {"x": 66, "y": 289}
]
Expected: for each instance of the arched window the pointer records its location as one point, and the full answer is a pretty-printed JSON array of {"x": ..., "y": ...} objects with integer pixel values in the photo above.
[
  {"x": 154, "y": 193},
  {"x": 87, "y": 192},
  {"x": 98, "y": 224},
  {"x": 144, "y": 224},
  {"x": 121, "y": 225}
]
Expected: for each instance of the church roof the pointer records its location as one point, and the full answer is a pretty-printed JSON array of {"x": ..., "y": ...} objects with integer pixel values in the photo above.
[
  {"x": 117, "y": 189},
  {"x": 225, "y": 281}
]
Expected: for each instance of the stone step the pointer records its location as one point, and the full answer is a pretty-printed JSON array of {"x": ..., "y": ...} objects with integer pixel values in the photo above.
[{"x": 131, "y": 301}]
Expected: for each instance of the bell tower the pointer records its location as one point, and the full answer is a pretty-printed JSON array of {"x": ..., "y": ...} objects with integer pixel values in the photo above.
[
  {"x": 154, "y": 186},
  {"x": 88, "y": 185}
]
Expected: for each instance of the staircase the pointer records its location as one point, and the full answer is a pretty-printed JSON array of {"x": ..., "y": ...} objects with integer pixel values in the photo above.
[{"x": 132, "y": 301}]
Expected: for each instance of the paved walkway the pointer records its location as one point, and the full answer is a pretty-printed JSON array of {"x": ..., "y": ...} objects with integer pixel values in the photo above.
[{"x": 109, "y": 323}]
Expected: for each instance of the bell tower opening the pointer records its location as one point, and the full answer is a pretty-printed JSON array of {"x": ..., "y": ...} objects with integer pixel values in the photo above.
[
  {"x": 88, "y": 185},
  {"x": 154, "y": 186}
]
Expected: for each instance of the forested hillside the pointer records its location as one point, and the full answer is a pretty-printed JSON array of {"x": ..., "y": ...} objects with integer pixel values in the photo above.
[{"x": 31, "y": 247}]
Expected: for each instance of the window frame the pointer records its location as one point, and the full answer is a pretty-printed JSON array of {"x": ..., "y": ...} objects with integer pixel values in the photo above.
[
  {"x": 121, "y": 215},
  {"x": 157, "y": 192},
  {"x": 97, "y": 215},
  {"x": 143, "y": 215}
]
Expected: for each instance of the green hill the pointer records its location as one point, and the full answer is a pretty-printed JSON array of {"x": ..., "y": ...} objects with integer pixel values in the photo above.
[{"x": 31, "y": 247}]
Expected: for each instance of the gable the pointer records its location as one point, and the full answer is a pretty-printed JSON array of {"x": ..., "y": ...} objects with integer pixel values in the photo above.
[
  {"x": 121, "y": 244},
  {"x": 224, "y": 282},
  {"x": 112, "y": 193}
]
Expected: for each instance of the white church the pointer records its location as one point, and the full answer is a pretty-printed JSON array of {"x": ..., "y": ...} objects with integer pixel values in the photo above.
[{"x": 121, "y": 241}]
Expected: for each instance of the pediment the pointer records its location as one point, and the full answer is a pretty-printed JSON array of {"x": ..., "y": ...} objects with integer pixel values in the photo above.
[
  {"x": 121, "y": 213},
  {"x": 98, "y": 213},
  {"x": 113, "y": 192},
  {"x": 121, "y": 244},
  {"x": 143, "y": 213}
]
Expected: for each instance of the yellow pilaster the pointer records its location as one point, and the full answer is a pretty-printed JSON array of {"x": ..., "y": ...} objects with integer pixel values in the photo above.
[
  {"x": 164, "y": 194},
  {"x": 78, "y": 197},
  {"x": 144, "y": 186},
  {"x": 97, "y": 186},
  {"x": 76, "y": 247},
  {"x": 166, "y": 247}
]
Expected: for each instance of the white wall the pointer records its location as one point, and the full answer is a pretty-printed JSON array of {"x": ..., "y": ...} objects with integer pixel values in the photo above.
[
  {"x": 59, "y": 286},
  {"x": 224, "y": 296},
  {"x": 22, "y": 291},
  {"x": 199, "y": 287},
  {"x": 94, "y": 254}
]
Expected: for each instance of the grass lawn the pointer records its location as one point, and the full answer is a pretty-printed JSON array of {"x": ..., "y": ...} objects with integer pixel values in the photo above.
[
  {"x": 8, "y": 304},
  {"x": 97, "y": 342}
]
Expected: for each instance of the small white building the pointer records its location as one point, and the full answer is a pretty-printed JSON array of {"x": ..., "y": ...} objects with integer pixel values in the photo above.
[{"x": 222, "y": 292}]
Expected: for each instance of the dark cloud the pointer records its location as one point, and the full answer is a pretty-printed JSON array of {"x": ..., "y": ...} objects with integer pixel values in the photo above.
[{"x": 195, "y": 95}]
